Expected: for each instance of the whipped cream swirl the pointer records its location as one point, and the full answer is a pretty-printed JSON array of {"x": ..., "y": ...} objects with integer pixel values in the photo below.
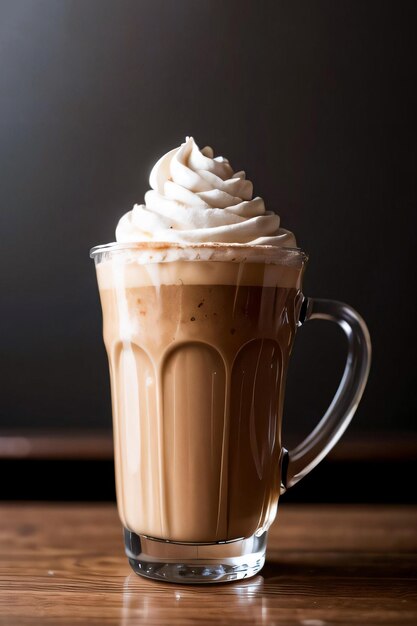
[{"x": 197, "y": 198}]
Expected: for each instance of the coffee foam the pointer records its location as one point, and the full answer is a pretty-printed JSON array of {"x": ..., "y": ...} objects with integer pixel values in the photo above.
[
  {"x": 165, "y": 252},
  {"x": 119, "y": 272}
]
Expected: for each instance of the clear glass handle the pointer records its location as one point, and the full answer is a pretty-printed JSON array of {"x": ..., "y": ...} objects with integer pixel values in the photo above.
[{"x": 298, "y": 462}]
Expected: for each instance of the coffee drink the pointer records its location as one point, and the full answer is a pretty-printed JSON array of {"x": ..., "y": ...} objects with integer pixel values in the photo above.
[
  {"x": 201, "y": 298},
  {"x": 198, "y": 352}
]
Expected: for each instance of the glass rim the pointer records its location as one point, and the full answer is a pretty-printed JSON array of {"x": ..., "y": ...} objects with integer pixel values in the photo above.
[{"x": 270, "y": 251}]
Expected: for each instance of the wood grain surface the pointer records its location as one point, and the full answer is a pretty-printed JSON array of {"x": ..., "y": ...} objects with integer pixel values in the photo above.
[{"x": 63, "y": 565}]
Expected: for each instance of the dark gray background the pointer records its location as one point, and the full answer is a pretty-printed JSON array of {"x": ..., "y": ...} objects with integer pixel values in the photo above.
[{"x": 313, "y": 99}]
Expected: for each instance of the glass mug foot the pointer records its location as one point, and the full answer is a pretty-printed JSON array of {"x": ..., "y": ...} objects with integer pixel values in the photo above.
[{"x": 195, "y": 563}]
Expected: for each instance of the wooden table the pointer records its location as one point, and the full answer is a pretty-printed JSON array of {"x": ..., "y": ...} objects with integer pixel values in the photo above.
[{"x": 63, "y": 564}]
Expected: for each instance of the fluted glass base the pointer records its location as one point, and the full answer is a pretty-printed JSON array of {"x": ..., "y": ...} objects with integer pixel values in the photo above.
[{"x": 192, "y": 563}]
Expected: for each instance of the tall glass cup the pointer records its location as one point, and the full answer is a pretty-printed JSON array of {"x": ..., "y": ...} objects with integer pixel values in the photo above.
[{"x": 198, "y": 340}]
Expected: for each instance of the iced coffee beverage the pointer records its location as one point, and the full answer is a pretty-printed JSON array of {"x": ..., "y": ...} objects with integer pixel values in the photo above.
[{"x": 201, "y": 299}]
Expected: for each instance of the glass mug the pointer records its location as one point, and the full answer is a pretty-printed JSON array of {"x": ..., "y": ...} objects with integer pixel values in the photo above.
[{"x": 198, "y": 340}]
